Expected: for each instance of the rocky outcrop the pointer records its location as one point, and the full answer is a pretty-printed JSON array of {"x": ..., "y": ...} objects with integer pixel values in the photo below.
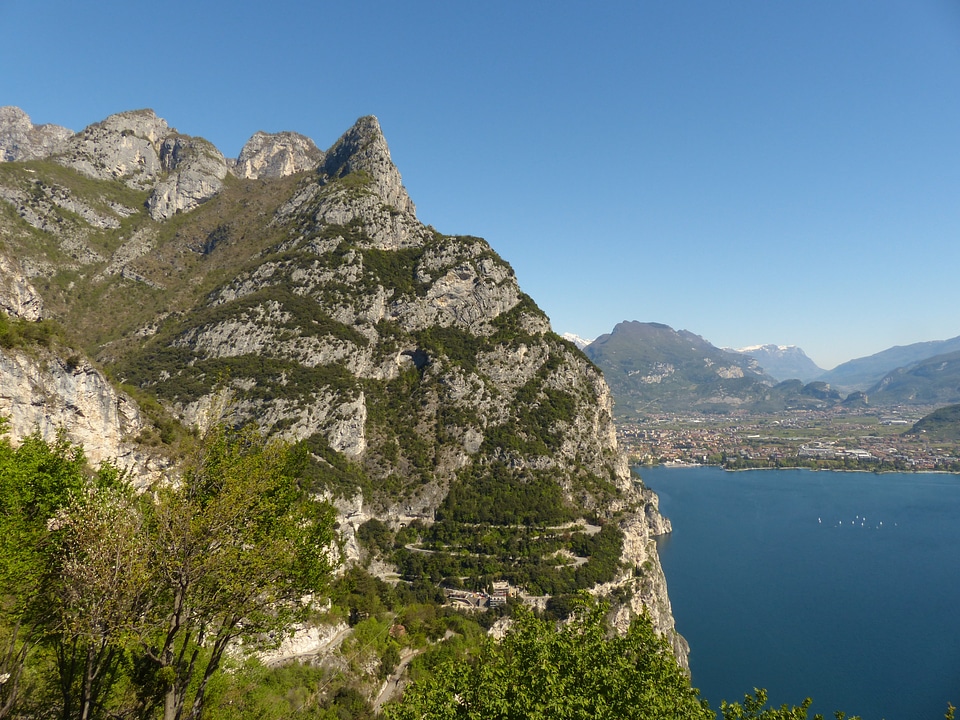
[
  {"x": 18, "y": 298},
  {"x": 140, "y": 149},
  {"x": 363, "y": 149},
  {"x": 125, "y": 146},
  {"x": 21, "y": 140},
  {"x": 645, "y": 582},
  {"x": 42, "y": 392},
  {"x": 274, "y": 155},
  {"x": 196, "y": 170}
]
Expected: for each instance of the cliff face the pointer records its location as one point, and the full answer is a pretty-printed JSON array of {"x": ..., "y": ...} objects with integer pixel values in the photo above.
[
  {"x": 302, "y": 293},
  {"x": 46, "y": 391},
  {"x": 20, "y": 139}
]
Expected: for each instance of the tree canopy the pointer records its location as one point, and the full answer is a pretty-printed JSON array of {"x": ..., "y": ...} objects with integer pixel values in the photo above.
[
  {"x": 575, "y": 671},
  {"x": 117, "y": 603}
]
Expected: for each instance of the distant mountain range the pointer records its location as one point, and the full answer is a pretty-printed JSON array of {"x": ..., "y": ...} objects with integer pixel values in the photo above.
[
  {"x": 862, "y": 373},
  {"x": 651, "y": 367},
  {"x": 784, "y": 362}
]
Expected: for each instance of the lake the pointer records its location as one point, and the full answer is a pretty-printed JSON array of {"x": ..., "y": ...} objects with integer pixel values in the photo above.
[{"x": 844, "y": 587}]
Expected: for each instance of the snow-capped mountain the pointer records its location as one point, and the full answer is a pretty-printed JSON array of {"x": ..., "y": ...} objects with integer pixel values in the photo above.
[
  {"x": 784, "y": 362},
  {"x": 576, "y": 340}
]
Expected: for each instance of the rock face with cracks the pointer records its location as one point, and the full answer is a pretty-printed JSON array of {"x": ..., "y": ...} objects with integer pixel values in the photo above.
[{"x": 302, "y": 293}]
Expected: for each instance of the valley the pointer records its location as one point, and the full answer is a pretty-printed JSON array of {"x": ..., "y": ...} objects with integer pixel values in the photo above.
[{"x": 875, "y": 440}]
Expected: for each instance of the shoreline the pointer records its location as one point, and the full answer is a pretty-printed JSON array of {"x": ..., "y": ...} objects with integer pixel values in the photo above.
[{"x": 680, "y": 465}]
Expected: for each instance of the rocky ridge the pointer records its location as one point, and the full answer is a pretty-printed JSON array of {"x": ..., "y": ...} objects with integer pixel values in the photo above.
[
  {"x": 315, "y": 303},
  {"x": 20, "y": 139},
  {"x": 267, "y": 155}
]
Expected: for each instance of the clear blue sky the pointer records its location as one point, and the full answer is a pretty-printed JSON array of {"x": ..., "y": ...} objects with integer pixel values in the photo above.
[{"x": 751, "y": 171}]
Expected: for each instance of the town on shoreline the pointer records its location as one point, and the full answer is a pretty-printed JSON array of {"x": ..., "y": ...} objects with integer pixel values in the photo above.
[{"x": 862, "y": 439}]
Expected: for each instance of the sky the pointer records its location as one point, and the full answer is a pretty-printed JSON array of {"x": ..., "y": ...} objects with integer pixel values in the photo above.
[{"x": 753, "y": 171}]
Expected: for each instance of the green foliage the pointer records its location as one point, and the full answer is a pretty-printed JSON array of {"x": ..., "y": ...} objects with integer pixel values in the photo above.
[
  {"x": 537, "y": 414},
  {"x": 305, "y": 317},
  {"x": 395, "y": 269},
  {"x": 576, "y": 671},
  {"x": 942, "y": 425},
  {"x": 393, "y": 418},
  {"x": 37, "y": 480},
  {"x": 176, "y": 373},
  {"x": 360, "y": 595},
  {"x": 456, "y": 345},
  {"x": 509, "y": 325},
  {"x": 499, "y": 496},
  {"x": 18, "y": 332},
  {"x": 240, "y": 545},
  {"x": 376, "y": 536},
  {"x": 529, "y": 556},
  {"x": 295, "y": 691},
  {"x": 110, "y": 600},
  {"x": 754, "y": 708},
  {"x": 323, "y": 468}
]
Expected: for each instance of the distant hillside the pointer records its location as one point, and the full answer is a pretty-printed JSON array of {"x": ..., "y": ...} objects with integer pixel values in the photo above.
[
  {"x": 651, "y": 367},
  {"x": 932, "y": 381},
  {"x": 783, "y": 362},
  {"x": 861, "y": 373},
  {"x": 942, "y": 425}
]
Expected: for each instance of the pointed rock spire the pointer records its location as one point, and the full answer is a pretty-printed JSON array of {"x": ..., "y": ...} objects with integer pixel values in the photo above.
[{"x": 363, "y": 148}]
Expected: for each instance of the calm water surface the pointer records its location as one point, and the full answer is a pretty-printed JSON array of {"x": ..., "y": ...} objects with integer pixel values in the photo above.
[{"x": 844, "y": 587}]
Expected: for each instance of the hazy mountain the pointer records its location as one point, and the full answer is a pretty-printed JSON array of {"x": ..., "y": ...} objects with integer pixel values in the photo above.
[
  {"x": 861, "y": 373},
  {"x": 942, "y": 425},
  {"x": 652, "y": 367},
  {"x": 932, "y": 381},
  {"x": 783, "y": 362}
]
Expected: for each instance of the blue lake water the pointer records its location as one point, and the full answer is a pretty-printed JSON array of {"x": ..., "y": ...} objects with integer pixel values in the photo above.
[{"x": 844, "y": 587}]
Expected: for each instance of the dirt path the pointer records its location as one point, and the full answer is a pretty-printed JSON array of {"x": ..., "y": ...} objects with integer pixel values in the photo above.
[{"x": 392, "y": 684}]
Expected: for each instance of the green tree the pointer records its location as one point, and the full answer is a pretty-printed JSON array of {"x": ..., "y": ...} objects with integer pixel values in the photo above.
[
  {"x": 239, "y": 550},
  {"x": 37, "y": 480},
  {"x": 100, "y": 591},
  {"x": 577, "y": 671},
  {"x": 754, "y": 708}
]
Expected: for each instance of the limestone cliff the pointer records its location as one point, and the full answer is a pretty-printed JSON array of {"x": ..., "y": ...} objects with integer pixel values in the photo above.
[
  {"x": 406, "y": 364},
  {"x": 267, "y": 155},
  {"x": 20, "y": 139},
  {"x": 48, "y": 390}
]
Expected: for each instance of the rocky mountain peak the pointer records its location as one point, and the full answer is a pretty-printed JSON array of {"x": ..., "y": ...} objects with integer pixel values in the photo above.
[
  {"x": 143, "y": 123},
  {"x": 124, "y": 146},
  {"x": 196, "y": 172},
  {"x": 273, "y": 155},
  {"x": 363, "y": 148},
  {"x": 20, "y": 139}
]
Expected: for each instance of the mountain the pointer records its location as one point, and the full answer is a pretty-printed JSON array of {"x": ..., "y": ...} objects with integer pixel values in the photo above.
[
  {"x": 933, "y": 381},
  {"x": 942, "y": 425},
  {"x": 652, "y": 368},
  {"x": 152, "y": 287},
  {"x": 861, "y": 373},
  {"x": 783, "y": 362},
  {"x": 576, "y": 340}
]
